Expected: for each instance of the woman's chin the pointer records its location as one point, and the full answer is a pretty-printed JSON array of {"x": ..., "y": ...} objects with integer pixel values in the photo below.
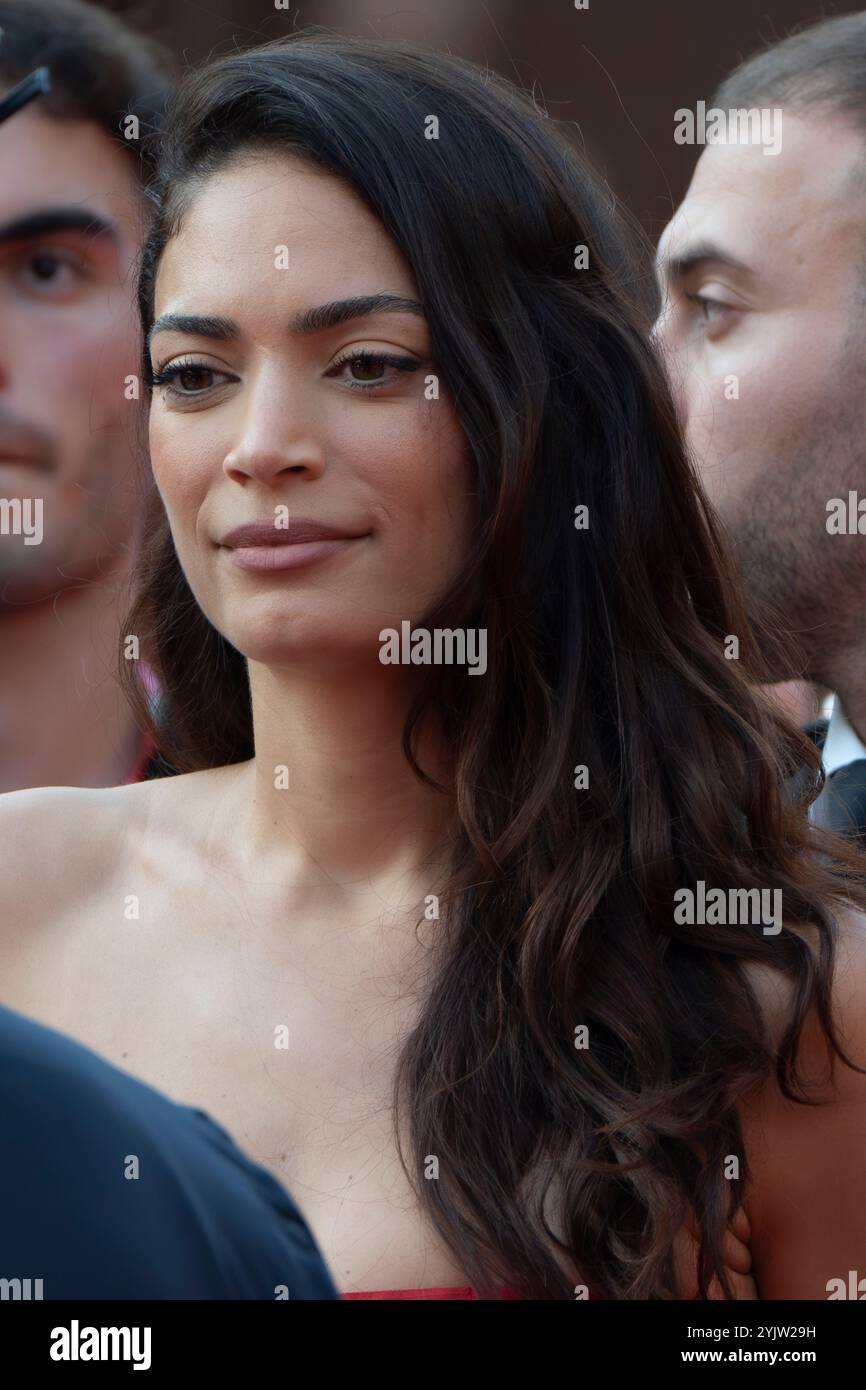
[{"x": 311, "y": 646}]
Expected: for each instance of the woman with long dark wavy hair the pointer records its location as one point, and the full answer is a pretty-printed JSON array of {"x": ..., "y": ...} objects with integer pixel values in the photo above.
[{"x": 451, "y": 912}]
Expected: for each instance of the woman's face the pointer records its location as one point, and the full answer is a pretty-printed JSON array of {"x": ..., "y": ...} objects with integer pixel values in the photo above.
[{"x": 261, "y": 419}]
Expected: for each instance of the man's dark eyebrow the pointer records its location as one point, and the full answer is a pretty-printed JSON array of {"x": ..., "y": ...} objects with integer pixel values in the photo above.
[
  {"x": 56, "y": 219},
  {"x": 315, "y": 320},
  {"x": 676, "y": 268}
]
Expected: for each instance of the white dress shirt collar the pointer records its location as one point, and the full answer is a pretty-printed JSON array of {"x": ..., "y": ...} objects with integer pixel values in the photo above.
[{"x": 841, "y": 746}]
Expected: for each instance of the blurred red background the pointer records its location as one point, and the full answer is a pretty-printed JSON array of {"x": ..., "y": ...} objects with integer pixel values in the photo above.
[{"x": 617, "y": 70}]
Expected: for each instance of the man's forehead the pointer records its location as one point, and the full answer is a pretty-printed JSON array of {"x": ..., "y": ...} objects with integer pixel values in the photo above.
[
  {"x": 709, "y": 228},
  {"x": 756, "y": 206},
  {"x": 48, "y": 159}
]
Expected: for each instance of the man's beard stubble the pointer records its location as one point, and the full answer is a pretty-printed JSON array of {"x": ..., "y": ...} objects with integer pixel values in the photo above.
[{"x": 795, "y": 574}]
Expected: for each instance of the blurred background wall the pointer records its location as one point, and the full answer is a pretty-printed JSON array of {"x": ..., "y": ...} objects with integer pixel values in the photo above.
[{"x": 617, "y": 70}]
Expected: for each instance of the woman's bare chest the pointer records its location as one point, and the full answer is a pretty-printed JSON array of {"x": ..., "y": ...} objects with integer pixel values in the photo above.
[{"x": 288, "y": 1039}]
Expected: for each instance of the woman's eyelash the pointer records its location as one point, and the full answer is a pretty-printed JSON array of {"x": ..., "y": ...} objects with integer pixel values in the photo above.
[{"x": 364, "y": 356}]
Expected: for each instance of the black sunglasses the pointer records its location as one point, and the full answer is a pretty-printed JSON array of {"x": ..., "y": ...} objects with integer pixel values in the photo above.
[{"x": 32, "y": 86}]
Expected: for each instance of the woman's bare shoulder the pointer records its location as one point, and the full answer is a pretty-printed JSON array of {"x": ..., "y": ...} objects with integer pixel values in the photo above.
[
  {"x": 60, "y": 841},
  {"x": 53, "y": 832},
  {"x": 807, "y": 1161},
  {"x": 775, "y": 991}
]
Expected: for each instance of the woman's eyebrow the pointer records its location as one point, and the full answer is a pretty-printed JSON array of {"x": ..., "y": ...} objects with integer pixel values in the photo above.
[
  {"x": 315, "y": 320},
  {"x": 361, "y": 306}
]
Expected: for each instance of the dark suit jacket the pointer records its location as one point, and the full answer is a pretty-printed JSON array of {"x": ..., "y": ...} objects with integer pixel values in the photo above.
[
  {"x": 842, "y": 803},
  {"x": 200, "y": 1220}
]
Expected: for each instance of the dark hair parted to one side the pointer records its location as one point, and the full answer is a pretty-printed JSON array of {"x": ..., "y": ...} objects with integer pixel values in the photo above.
[
  {"x": 101, "y": 69},
  {"x": 822, "y": 65},
  {"x": 605, "y": 648}
]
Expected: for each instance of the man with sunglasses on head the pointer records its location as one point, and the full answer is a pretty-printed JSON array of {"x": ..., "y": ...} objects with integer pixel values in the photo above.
[{"x": 72, "y": 215}]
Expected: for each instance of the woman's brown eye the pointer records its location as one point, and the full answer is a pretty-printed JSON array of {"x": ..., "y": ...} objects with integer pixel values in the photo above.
[
  {"x": 373, "y": 367},
  {"x": 186, "y": 378},
  {"x": 377, "y": 365},
  {"x": 190, "y": 378}
]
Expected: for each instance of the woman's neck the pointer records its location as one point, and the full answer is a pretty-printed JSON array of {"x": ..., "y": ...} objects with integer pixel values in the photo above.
[{"x": 329, "y": 794}]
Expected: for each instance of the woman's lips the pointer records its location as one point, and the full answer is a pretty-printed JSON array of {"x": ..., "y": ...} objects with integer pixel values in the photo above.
[{"x": 264, "y": 558}]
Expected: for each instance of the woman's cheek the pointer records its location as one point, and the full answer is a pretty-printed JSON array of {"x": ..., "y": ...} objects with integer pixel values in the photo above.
[{"x": 182, "y": 466}]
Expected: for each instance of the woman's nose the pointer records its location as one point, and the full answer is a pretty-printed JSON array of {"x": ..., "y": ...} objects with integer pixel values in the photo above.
[{"x": 279, "y": 433}]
